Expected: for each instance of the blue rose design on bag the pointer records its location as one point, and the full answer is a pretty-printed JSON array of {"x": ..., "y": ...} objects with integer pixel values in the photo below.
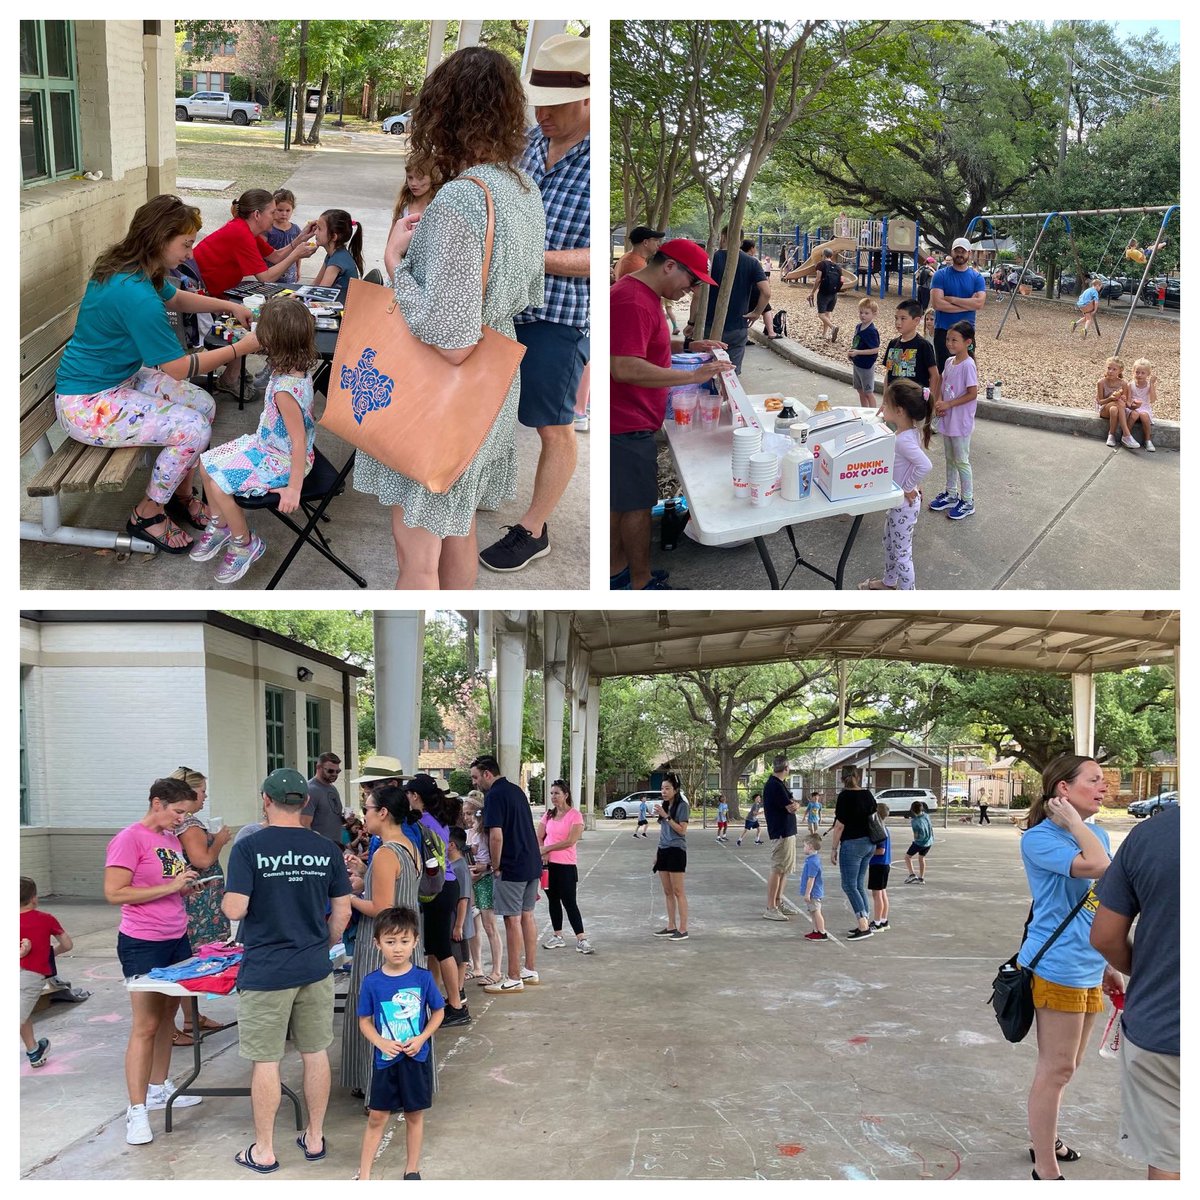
[{"x": 369, "y": 389}]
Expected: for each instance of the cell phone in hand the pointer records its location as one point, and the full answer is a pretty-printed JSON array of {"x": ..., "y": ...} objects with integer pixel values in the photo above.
[{"x": 205, "y": 882}]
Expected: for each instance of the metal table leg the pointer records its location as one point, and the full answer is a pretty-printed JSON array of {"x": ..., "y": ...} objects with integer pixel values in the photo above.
[{"x": 765, "y": 555}]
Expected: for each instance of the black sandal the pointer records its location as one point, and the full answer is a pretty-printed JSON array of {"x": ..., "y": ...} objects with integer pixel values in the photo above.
[
  {"x": 139, "y": 526},
  {"x": 180, "y": 510},
  {"x": 1069, "y": 1156}
]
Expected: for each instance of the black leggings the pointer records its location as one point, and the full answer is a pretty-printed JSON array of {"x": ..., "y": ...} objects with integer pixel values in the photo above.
[{"x": 560, "y": 894}]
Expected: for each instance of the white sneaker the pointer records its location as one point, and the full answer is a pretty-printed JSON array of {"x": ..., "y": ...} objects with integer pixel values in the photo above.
[
  {"x": 785, "y": 905},
  {"x": 1112, "y": 441},
  {"x": 1151, "y": 447},
  {"x": 157, "y": 1096},
  {"x": 584, "y": 946},
  {"x": 554, "y": 943},
  {"x": 505, "y": 985},
  {"x": 137, "y": 1125},
  {"x": 529, "y": 977},
  {"x": 581, "y": 423},
  {"x": 1130, "y": 443},
  {"x": 773, "y": 914}
]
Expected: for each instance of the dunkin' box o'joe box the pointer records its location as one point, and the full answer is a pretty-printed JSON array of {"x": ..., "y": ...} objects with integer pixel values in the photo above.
[{"x": 856, "y": 461}]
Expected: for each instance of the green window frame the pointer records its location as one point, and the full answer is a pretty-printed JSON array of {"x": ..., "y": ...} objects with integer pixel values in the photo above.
[
  {"x": 49, "y": 102},
  {"x": 276, "y": 751},
  {"x": 315, "y": 735}
]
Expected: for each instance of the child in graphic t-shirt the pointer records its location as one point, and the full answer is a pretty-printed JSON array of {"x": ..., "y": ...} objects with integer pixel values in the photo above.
[
  {"x": 723, "y": 820},
  {"x": 910, "y": 356},
  {"x": 37, "y": 928},
  {"x": 399, "y": 1010}
]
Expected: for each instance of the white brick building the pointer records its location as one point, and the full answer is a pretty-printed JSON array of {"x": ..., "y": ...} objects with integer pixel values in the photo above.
[{"x": 111, "y": 701}]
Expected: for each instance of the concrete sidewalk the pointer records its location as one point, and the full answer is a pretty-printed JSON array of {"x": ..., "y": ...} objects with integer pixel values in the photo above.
[
  {"x": 1051, "y": 511},
  {"x": 745, "y": 1052}
]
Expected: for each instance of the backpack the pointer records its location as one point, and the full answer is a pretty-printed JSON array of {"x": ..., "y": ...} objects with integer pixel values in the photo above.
[
  {"x": 779, "y": 322},
  {"x": 432, "y": 849}
]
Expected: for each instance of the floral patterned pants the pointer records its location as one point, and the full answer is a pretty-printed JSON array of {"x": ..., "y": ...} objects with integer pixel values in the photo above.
[
  {"x": 149, "y": 409},
  {"x": 897, "y": 545}
]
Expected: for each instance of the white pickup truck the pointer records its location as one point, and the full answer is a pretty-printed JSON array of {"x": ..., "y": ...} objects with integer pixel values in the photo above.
[{"x": 216, "y": 106}]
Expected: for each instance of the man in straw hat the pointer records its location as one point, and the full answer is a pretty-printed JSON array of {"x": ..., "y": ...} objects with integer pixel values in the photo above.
[
  {"x": 556, "y": 335},
  {"x": 640, "y": 364}
]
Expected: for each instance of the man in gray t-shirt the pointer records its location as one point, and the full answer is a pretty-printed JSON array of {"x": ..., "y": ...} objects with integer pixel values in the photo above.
[{"x": 323, "y": 812}]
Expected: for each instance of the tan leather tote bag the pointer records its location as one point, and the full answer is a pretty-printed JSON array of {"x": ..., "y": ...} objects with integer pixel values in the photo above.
[{"x": 400, "y": 401}]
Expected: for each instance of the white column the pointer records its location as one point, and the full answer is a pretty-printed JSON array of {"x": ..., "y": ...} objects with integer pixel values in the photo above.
[
  {"x": 510, "y": 691},
  {"x": 554, "y": 690},
  {"x": 1083, "y": 712},
  {"x": 577, "y": 732},
  {"x": 437, "y": 38},
  {"x": 399, "y": 656},
  {"x": 539, "y": 31},
  {"x": 593, "y": 734},
  {"x": 469, "y": 33}
]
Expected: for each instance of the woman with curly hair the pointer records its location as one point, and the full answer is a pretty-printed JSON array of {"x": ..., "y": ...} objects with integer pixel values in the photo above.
[{"x": 469, "y": 120}]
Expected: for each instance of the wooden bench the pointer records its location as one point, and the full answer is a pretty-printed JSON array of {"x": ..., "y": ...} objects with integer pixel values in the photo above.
[{"x": 74, "y": 467}]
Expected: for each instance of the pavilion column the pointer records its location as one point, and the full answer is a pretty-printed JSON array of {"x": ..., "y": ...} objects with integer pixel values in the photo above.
[
  {"x": 510, "y": 692},
  {"x": 399, "y": 653},
  {"x": 469, "y": 33},
  {"x": 593, "y": 735},
  {"x": 578, "y": 718},
  {"x": 1083, "y": 711},
  {"x": 437, "y": 39},
  {"x": 554, "y": 691}
]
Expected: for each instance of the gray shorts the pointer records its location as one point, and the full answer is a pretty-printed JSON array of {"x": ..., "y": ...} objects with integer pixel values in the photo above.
[
  {"x": 864, "y": 378},
  {"x": 512, "y": 897},
  {"x": 31, "y": 988},
  {"x": 1149, "y": 1131}
]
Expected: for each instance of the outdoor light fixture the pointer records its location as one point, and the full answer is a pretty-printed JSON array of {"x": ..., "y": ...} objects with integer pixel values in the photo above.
[
  {"x": 303, "y": 674},
  {"x": 1043, "y": 654},
  {"x": 659, "y": 659}
]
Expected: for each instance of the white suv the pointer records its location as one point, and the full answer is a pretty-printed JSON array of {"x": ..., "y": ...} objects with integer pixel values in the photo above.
[{"x": 901, "y": 799}]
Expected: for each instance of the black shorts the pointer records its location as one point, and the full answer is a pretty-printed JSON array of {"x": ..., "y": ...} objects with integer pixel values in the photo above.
[
  {"x": 915, "y": 849},
  {"x": 642, "y": 821},
  {"x": 672, "y": 859},
  {"x": 826, "y": 303},
  {"x": 632, "y": 471},
  {"x": 555, "y": 355},
  {"x": 751, "y": 824},
  {"x": 877, "y": 876},
  {"x": 137, "y": 956},
  {"x": 404, "y": 1085},
  {"x": 438, "y": 917}
]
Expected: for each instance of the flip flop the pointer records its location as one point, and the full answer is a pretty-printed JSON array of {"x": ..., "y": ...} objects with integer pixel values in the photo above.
[
  {"x": 139, "y": 526},
  {"x": 484, "y": 980},
  {"x": 182, "y": 1038},
  {"x": 310, "y": 1157},
  {"x": 244, "y": 1158}
]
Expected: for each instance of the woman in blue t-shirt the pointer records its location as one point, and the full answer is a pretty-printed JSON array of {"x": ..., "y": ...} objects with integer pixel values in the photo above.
[
  {"x": 122, "y": 380},
  {"x": 1063, "y": 856},
  {"x": 342, "y": 240}
]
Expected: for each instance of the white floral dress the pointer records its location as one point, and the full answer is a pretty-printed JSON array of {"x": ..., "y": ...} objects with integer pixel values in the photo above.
[{"x": 438, "y": 286}]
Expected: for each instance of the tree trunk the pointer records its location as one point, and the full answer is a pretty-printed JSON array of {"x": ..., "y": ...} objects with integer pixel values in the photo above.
[
  {"x": 302, "y": 82},
  {"x": 314, "y": 134}
]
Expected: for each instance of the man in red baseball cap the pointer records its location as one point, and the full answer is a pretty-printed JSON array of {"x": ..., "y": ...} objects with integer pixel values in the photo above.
[{"x": 640, "y": 366}]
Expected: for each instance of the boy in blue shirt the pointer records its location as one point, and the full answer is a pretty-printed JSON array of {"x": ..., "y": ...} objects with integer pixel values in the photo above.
[
  {"x": 399, "y": 1010},
  {"x": 1087, "y": 305},
  {"x": 878, "y": 869},
  {"x": 812, "y": 887},
  {"x": 722, "y": 819},
  {"x": 864, "y": 350}
]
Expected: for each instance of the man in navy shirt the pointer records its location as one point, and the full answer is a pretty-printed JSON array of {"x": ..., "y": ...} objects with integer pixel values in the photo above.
[
  {"x": 780, "y": 810},
  {"x": 750, "y": 296},
  {"x": 957, "y": 293},
  {"x": 280, "y": 883},
  {"x": 516, "y": 867}
]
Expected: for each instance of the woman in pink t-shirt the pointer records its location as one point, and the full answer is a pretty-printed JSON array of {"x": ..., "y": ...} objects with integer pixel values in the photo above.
[
  {"x": 558, "y": 831},
  {"x": 146, "y": 873}
]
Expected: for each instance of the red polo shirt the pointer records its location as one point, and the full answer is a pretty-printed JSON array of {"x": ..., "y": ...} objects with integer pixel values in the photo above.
[
  {"x": 229, "y": 254},
  {"x": 637, "y": 329}
]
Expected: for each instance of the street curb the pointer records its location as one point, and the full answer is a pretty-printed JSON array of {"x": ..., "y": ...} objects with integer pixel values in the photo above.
[{"x": 1032, "y": 416}]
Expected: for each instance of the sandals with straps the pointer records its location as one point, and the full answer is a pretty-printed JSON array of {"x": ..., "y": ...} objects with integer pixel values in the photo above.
[{"x": 140, "y": 527}]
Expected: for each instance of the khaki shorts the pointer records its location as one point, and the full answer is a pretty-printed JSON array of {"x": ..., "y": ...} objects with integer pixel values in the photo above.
[
  {"x": 1149, "y": 1107},
  {"x": 31, "y": 988},
  {"x": 783, "y": 855},
  {"x": 1061, "y": 998},
  {"x": 813, "y": 906},
  {"x": 264, "y": 1019}
]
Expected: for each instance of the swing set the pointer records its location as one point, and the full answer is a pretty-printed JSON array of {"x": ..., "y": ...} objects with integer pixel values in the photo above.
[{"x": 987, "y": 222}]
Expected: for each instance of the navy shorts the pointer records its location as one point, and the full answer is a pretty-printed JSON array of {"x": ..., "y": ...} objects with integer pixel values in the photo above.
[
  {"x": 555, "y": 356},
  {"x": 917, "y": 849},
  {"x": 137, "y": 956},
  {"x": 877, "y": 876},
  {"x": 632, "y": 471},
  {"x": 404, "y": 1085},
  {"x": 751, "y": 824}
]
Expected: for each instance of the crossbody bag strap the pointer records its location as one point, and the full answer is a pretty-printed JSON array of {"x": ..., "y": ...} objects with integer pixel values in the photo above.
[
  {"x": 1066, "y": 921},
  {"x": 491, "y": 227}
]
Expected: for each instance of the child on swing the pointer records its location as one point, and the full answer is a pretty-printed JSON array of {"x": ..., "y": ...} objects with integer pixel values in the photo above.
[{"x": 1086, "y": 306}]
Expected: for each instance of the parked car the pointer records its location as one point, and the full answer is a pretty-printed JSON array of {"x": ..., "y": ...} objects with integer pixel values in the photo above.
[
  {"x": 901, "y": 799},
  {"x": 1068, "y": 285},
  {"x": 618, "y": 810},
  {"x": 1032, "y": 279},
  {"x": 1153, "y": 805},
  {"x": 397, "y": 122},
  {"x": 216, "y": 106},
  {"x": 1111, "y": 288}
]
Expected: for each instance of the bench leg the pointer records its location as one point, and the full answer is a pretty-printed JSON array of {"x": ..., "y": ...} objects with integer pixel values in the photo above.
[{"x": 71, "y": 535}]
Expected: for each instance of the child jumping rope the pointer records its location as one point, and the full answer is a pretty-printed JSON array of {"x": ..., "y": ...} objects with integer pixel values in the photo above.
[
  {"x": 341, "y": 238},
  {"x": 277, "y": 456},
  {"x": 955, "y": 409},
  {"x": 1142, "y": 396},
  {"x": 905, "y": 405},
  {"x": 922, "y": 843}
]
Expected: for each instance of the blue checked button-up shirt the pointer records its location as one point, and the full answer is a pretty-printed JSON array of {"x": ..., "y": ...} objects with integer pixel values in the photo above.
[{"x": 566, "y": 194}]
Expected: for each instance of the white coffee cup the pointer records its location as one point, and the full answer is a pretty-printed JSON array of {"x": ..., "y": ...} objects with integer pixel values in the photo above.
[{"x": 216, "y": 824}]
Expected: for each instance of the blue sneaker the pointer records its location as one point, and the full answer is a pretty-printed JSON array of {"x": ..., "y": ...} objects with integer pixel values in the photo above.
[
  {"x": 942, "y": 500},
  {"x": 964, "y": 508},
  {"x": 622, "y": 580}
]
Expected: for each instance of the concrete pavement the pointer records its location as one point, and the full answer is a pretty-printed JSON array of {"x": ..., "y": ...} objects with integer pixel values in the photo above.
[
  {"x": 1051, "y": 511},
  {"x": 745, "y": 1052}
]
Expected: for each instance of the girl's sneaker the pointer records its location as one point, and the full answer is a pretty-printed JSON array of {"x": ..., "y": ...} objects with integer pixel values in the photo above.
[
  {"x": 239, "y": 559},
  {"x": 1151, "y": 447},
  {"x": 211, "y": 542},
  {"x": 964, "y": 508},
  {"x": 39, "y": 1054},
  {"x": 942, "y": 500},
  {"x": 879, "y": 925}
]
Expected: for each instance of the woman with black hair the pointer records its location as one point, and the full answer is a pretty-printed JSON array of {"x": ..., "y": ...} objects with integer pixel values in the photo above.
[
  {"x": 671, "y": 860},
  {"x": 851, "y": 848},
  {"x": 558, "y": 832}
]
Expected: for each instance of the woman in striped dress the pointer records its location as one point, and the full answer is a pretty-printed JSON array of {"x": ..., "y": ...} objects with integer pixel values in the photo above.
[{"x": 391, "y": 881}]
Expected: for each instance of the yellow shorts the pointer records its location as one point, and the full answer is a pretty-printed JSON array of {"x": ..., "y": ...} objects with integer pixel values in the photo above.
[{"x": 1066, "y": 999}]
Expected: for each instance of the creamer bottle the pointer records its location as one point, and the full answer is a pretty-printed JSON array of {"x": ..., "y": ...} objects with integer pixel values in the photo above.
[{"x": 798, "y": 466}]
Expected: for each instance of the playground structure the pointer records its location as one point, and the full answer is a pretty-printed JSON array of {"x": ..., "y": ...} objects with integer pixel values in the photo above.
[
  {"x": 863, "y": 247},
  {"x": 1066, "y": 215}
]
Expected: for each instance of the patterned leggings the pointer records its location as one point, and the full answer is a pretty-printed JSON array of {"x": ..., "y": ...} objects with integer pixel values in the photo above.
[
  {"x": 149, "y": 409},
  {"x": 897, "y": 545},
  {"x": 958, "y": 466}
]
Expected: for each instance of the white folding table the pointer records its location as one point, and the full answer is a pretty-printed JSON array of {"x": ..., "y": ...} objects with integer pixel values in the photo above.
[{"x": 718, "y": 518}]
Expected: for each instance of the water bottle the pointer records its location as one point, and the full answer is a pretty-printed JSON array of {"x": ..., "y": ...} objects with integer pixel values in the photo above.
[{"x": 1110, "y": 1043}]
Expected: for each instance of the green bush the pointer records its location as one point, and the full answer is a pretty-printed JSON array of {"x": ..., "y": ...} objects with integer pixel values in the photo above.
[
  {"x": 537, "y": 790},
  {"x": 1021, "y": 801},
  {"x": 239, "y": 88},
  {"x": 460, "y": 781}
]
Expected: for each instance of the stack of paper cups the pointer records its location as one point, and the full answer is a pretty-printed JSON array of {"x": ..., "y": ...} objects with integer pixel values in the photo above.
[
  {"x": 764, "y": 477},
  {"x": 746, "y": 441}
]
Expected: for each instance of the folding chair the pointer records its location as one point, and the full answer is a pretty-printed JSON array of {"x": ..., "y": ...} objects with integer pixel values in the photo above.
[
  {"x": 374, "y": 275},
  {"x": 321, "y": 485}
]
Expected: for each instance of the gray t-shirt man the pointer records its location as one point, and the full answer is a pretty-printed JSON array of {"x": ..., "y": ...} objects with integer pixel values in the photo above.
[{"x": 325, "y": 807}]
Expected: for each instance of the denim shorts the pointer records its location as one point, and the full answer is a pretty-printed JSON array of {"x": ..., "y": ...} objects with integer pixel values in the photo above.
[{"x": 137, "y": 955}]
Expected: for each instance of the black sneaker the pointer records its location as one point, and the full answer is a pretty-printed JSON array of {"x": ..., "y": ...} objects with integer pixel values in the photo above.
[
  {"x": 680, "y": 935},
  {"x": 516, "y": 549},
  {"x": 413, "y": 1175},
  {"x": 854, "y": 935},
  {"x": 666, "y": 931},
  {"x": 457, "y": 1016}
]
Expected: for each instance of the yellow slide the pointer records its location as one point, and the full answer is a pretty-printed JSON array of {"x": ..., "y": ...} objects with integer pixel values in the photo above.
[{"x": 809, "y": 266}]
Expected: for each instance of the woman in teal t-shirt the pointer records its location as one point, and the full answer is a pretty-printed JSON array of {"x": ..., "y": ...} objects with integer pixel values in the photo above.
[{"x": 122, "y": 380}]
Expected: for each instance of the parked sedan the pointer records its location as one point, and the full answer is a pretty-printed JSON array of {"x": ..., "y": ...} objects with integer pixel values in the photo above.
[
  {"x": 901, "y": 798},
  {"x": 397, "y": 122},
  {"x": 618, "y": 810},
  {"x": 1153, "y": 805}
]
